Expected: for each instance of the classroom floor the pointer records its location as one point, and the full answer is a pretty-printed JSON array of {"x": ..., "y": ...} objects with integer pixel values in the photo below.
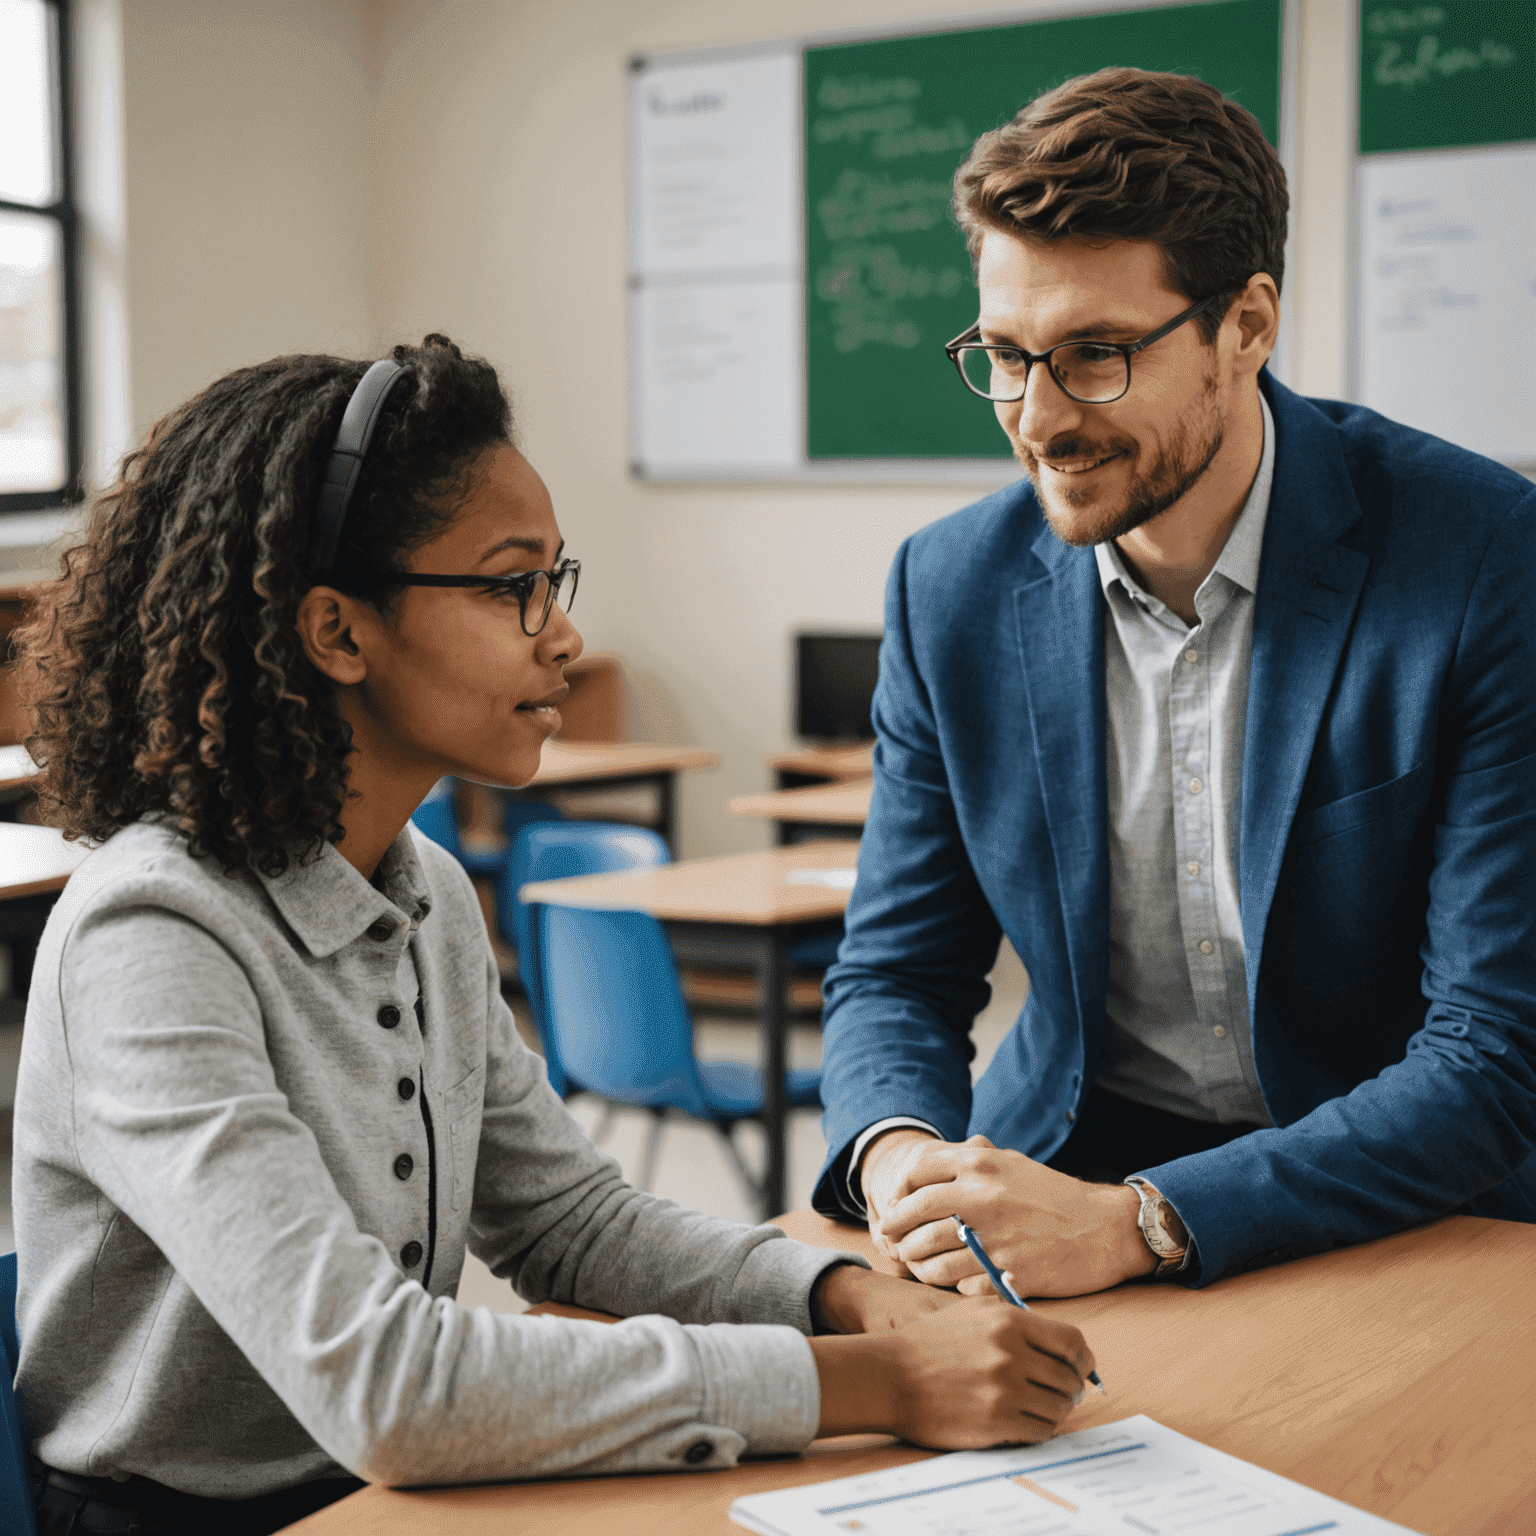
[{"x": 693, "y": 1169}]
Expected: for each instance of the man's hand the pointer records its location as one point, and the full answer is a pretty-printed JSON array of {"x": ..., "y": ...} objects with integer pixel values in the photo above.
[
  {"x": 1056, "y": 1235},
  {"x": 974, "y": 1374},
  {"x": 883, "y": 1175},
  {"x": 847, "y": 1299}
]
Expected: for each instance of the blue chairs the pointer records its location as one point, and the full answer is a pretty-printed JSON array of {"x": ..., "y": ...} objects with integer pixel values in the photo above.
[
  {"x": 549, "y": 851},
  {"x": 15, "y": 1486},
  {"x": 615, "y": 1013}
]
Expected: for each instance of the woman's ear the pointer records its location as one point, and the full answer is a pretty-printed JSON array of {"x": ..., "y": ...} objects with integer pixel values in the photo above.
[{"x": 326, "y": 621}]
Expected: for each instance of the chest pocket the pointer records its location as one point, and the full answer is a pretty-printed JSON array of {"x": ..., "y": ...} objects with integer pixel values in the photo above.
[{"x": 463, "y": 1106}]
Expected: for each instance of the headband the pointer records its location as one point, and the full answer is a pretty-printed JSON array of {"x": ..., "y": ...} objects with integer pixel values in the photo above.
[{"x": 346, "y": 461}]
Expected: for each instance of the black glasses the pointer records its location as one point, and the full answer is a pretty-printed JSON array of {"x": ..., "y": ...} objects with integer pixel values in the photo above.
[
  {"x": 536, "y": 592},
  {"x": 1090, "y": 372}
]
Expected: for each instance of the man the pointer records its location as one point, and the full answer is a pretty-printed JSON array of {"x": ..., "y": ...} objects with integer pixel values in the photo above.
[{"x": 1226, "y": 717}]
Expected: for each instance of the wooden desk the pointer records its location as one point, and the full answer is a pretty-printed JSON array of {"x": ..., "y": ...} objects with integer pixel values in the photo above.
[
  {"x": 621, "y": 765},
  {"x": 821, "y": 765},
  {"x": 1399, "y": 1376},
  {"x": 35, "y": 863},
  {"x": 17, "y": 771},
  {"x": 812, "y": 809},
  {"x": 723, "y": 911}
]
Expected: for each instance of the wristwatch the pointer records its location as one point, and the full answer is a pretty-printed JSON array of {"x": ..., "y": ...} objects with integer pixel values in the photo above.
[{"x": 1160, "y": 1226}]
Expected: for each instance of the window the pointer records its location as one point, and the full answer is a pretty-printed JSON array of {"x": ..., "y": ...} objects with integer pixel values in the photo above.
[{"x": 39, "y": 386}]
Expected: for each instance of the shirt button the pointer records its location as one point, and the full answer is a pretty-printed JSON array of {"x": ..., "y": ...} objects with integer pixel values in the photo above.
[
  {"x": 405, "y": 1087},
  {"x": 1071, "y": 1116},
  {"x": 404, "y": 1165},
  {"x": 1220, "y": 1031},
  {"x": 1191, "y": 655},
  {"x": 1194, "y": 786},
  {"x": 410, "y": 1255},
  {"x": 1206, "y": 946},
  {"x": 1192, "y": 867},
  {"x": 700, "y": 1450},
  {"x": 388, "y": 1015},
  {"x": 380, "y": 930}
]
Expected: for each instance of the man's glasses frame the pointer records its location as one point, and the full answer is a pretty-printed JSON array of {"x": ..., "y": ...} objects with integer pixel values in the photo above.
[
  {"x": 524, "y": 586},
  {"x": 967, "y": 341}
]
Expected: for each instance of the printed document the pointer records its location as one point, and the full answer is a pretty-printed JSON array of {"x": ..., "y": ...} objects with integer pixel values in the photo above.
[{"x": 1131, "y": 1478}]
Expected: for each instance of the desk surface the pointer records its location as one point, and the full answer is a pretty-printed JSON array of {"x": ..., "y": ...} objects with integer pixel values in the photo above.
[
  {"x": 1399, "y": 1376},
  {"x": 17, "y": 769},
  {"x": 755, "y": 889},
  {"x": 35, "y": 860},
  {"x": 827, "y": 762},
  {"x": 575, "y": 762},
  {"x": 834, "y": 805}
]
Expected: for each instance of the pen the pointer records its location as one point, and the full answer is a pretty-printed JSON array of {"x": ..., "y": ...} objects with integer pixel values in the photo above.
[{"x": 999, "y": 1280}]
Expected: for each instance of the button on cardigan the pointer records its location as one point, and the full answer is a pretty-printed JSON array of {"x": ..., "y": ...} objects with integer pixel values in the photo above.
[{"x": 240, "y": 1237}]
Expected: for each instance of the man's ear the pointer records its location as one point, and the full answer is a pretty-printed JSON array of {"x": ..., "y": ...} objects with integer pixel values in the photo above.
[
  {"x": 1257, "y": 313},
  {"x": 326, "y": 622}
]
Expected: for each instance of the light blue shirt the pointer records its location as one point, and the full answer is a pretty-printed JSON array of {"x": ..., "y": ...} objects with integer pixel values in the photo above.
[{"x": 1176, "y": 696}]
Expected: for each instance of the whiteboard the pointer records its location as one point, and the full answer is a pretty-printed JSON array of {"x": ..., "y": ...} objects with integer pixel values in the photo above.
[
  {"x": 1447, "y": 283},
  {"x": 715, "y": 267}
]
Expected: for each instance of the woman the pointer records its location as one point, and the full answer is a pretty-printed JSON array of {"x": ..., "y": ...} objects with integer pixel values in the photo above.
[{"x": 270, "y": 1090}]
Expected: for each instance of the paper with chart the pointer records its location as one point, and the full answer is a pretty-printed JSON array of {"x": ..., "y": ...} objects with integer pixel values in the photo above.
[
  {"x": 1447, "y": 339},
  {"x": 1131, "y": 1478}
]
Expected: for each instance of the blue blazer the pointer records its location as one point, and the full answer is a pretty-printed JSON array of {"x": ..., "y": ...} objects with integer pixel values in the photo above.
[{"x": 1387, "y": 853}]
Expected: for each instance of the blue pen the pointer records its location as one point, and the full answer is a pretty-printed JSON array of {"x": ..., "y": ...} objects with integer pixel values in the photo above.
[{"x": 999, "y": 1280}]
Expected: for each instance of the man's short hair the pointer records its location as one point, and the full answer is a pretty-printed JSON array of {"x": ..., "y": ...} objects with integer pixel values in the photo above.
[{"x": 1125, "y": 154}]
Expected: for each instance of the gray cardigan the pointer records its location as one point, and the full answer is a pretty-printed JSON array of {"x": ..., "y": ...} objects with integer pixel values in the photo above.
[{"x": 257, "y": 1124}]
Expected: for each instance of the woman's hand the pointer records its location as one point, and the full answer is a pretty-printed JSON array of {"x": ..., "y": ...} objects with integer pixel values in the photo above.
[
  {"x": 847, "y": 1299},
  {"x": 969, "y": 1375}
]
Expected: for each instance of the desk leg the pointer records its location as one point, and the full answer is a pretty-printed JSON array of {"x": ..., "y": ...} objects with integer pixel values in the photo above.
[
  {"x": 666, "y": 810},
  {"x": 772, "y": 982}
]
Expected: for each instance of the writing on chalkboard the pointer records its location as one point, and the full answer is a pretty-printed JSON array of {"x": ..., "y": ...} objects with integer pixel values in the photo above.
[
  {"x": 866, "y": 283},
  {"x": 1450, "y": 74},
  {"x": 881, "y": 111},
  {"x": 1394, "y": 67}
]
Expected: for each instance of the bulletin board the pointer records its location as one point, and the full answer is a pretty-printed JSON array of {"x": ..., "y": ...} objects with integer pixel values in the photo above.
[
  {"x": 1445, "y": 226},
  {"x": 794, "y": 268}
]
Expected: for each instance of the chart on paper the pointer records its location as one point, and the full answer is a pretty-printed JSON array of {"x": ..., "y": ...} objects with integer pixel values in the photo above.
[{"x": 1132, "y": 1478}]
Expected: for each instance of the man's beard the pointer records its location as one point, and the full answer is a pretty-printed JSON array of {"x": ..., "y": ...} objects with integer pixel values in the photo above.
[{"x": 1179, "y": 466}]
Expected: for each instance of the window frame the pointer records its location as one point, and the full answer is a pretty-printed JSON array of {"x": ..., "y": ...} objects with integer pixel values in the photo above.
[{"x": 64, "y": 213}]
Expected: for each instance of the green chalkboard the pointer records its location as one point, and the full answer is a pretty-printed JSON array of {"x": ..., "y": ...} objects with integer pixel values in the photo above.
[
  {"x": 1449, "y": 75},
  {"x": 888, "y": 280}
]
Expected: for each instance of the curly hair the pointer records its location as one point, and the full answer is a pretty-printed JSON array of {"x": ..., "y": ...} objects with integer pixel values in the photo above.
[
  {"x": 1127, "y": 154},
  {"x": 164, "y": 669}
]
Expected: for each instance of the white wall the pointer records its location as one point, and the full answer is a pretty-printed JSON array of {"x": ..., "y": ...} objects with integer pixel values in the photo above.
[
  {"x": 247, "y": 166},
  {"x": 344, "y": 174}
]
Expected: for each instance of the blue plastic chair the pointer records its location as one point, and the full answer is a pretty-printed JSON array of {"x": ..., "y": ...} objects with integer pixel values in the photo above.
[
  {"x": 16, "y": 1512},
  {"x": 617, "y": 1017},
  {"x": 547, "y": 851}
]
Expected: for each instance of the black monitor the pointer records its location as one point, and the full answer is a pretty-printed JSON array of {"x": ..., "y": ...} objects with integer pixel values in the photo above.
[{"x": 834, "y": 683}]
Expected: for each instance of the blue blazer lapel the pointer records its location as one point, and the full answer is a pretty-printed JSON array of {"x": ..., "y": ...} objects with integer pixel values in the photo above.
[
  {"x": 1309, "y": 586},
  {"x": 1060, "y": 618}
]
